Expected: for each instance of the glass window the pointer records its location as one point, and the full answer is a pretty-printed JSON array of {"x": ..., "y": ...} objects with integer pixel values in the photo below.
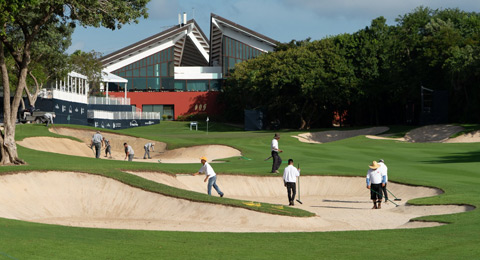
[
  {"x": 153, "y": 83},
  {"x": 143, "y": 72},
  {"x": 168, "y": 110},
  {"x": 197, "y": 85},
  {"x": 139, "y": 83},
  {"x": 170, "y": 68},
  {"x": 157, "y": 70},
  {"x": 128, "y": 73},
  {"x": 164, "y": 70},
  {"x": 167, "y": 83},
  {"x": 180, "y": 85},
  {"x": 215, "y": 85},
  {"x": 135, "y": 72},
  {"x": 150, "y": 72},
  {"x": 231, "y": 63},
  {"x": 130, "y": 84}
]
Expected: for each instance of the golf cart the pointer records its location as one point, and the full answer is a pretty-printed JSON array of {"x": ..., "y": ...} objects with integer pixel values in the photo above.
[{"x": 36, "y": 117}]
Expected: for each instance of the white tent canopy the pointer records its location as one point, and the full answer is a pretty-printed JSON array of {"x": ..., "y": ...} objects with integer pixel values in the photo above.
[{"x": 110, "y": 77}]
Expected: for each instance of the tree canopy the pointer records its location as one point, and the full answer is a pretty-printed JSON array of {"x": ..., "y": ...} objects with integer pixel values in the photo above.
[{"x": 369, "y": 76}]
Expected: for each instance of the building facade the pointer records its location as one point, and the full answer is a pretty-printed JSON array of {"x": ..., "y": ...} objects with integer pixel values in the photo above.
[{"x": 180, "y": 71}]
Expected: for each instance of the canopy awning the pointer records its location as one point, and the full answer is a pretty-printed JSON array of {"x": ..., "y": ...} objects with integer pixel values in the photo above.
[{"x": 110, "y": 77}]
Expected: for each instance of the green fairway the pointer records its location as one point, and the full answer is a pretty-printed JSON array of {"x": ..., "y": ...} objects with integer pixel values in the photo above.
[{"x": 454, "y": 168}]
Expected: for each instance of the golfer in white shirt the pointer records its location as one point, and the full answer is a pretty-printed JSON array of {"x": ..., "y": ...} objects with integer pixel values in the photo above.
[
  {"x": 290, "y": 175},
  {"x": 210, "y": 175}
]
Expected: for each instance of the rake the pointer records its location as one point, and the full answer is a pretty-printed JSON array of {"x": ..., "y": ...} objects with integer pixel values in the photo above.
[
  {"x": 388, "y": 199},
  {"x": 396, "y": 199}
]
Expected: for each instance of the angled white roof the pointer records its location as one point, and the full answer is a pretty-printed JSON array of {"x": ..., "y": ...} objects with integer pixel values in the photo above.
[{"x": 110, "y": 77}]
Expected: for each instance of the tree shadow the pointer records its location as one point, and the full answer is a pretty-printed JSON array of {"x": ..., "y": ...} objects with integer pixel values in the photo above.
[{"x": 466, "y": 157}]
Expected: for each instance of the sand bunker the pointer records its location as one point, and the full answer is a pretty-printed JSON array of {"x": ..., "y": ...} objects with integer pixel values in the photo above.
[
  {"x": 85, "y": 200},
  {"x": 473, "y": 137},
  {"x": 70, "y": 147},
  {"x": 341, "y": 203},
  {"x": 336, "y": 135},
  {"x": 432, "y": 133}
]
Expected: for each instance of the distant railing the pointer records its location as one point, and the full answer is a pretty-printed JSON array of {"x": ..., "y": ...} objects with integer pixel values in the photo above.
[
  {"x": 108, "y": 101},
  {"x": 48, "y": 93},
  {"x": 99, "y": 114}
]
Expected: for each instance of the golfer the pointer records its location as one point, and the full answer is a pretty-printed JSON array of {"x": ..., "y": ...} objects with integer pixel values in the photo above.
[
  {"x": 290, "y": 175},
  {"x": 108, "y": 148},
  {"x": 48, "y": 117},
  {"x": 277, "y": 161},
  {"x": 97, "y": 141},
  {"x": 128, "y": 152},
  {"x": 375, "y": 181},
  {"x": 384, "y": 170},
  {"x": 210, "y": 175},
  {"x": 147, "y": 148}
]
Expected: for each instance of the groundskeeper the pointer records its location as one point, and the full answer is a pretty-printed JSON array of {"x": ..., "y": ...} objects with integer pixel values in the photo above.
[
  {"x": 375, "y": 181},
  {"x": 128, "y": 152},
  {"x": 48, "y": 118},
  {"x": 210, "y": 175},
  {"x": 277, "y": 161},
  {"x": 108, "y": 148},
  {"x": 97, "y": 141},
  {"x": 384, "y": 169},
  {"x": 290, "y": 175},
  {"x": 148, "y": 147}
]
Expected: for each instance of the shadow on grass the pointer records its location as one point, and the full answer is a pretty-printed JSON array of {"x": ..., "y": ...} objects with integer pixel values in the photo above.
[{"x": 467, "y": 157}]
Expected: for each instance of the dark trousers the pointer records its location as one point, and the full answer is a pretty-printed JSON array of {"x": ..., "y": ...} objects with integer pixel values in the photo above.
[
  {"x": 277, "y": 161},
  {"x": 291, "y": 191},
  {"x": 376, "y": 192},
  {"x": 98, "y": 149},
  {"x": 385, "y": 194}
]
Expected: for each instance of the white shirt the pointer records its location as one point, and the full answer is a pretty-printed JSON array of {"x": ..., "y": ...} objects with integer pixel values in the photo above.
[
  {"x": 290, "y": 174},
  {"x": 384, "y": 170},
  {"x": 208, "y": 170},
  {"x": 275, "y": 145},
  {"x": 375, "y": 176},
  {"x": 129, "y": 150},
  {"x": 97, "y": 138}
]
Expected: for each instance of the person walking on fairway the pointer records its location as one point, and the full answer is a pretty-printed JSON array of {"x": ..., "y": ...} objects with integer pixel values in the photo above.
[
  {"x": 48, "y": 117},
  {"x": 97, "y": 141},
  {"x": 290, "y": 175},
  {"x": 147, "y": 148},
  {"x": 128, "y": 152},
  {"x": 384, "y": 169},
  {"x": 375, "y": 181},
  {"x": 277, "y": 161},
  {"x": 210, "y": 175},
  {"x": 108, "y": 148}
]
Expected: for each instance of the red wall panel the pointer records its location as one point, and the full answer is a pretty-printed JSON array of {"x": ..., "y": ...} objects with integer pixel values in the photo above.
[{"x": 184, "y": 102}]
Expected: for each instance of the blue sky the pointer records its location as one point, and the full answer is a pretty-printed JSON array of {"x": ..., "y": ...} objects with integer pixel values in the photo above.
[{"x": 282, "y": 20}]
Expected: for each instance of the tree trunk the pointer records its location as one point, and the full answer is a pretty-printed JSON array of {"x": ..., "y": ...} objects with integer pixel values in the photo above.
[{"x": 8, "y": 147}]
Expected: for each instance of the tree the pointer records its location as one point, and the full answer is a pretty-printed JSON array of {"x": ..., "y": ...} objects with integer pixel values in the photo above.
[
  {"x": 33, "y": 17},
  {"x": 88, "y": 64}
]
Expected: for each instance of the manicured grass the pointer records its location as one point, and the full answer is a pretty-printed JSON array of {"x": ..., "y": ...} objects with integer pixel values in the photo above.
[{"x": 452, "y": 167}]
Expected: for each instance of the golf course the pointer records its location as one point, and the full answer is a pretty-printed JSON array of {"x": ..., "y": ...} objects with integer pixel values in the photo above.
[{"x": 448, "y": 170}]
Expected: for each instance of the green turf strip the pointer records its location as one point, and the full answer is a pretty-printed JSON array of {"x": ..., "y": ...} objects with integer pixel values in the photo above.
[{"x": 454, "y": 168}]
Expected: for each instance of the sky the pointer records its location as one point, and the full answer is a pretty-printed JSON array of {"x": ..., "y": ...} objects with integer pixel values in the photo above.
[{"x": 282, "y": 20}]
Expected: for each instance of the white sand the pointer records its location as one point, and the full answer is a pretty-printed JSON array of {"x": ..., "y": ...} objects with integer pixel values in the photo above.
[
  {"x": 336, "y": 135},
  {"x": 343, "y": 202},
  {"x": 473, "y": 137},
  {"x": 70, "y": 147},
  {"x": 85, "y": 200}
]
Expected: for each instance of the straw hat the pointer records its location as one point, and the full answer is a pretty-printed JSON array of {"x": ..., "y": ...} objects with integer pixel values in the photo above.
[
  {"x": 203, "y": 158},
  {"x": 374, "y": 165}
]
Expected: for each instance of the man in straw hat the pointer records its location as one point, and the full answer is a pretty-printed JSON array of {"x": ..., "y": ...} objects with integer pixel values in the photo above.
[
  {"x": 210, "y": 175},
  {"x": 277, "y": 161},
  {"x": 375, "y": 180}
]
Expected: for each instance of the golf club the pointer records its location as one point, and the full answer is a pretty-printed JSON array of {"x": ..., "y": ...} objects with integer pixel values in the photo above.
[
  {"x": 396, "y": 199},
  {"x": 268, "y": 158},
  {"x": 298, "y": 200},
  {"x": 388, "y": 199}
]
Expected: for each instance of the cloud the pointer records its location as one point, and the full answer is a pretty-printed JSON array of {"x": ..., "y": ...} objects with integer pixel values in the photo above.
[
  {"x": 370, "y": 9},
  {"x": 163, "y": 9}
]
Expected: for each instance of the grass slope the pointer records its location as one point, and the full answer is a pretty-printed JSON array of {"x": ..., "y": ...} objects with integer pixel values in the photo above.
[{"x": 451, "y": 167}]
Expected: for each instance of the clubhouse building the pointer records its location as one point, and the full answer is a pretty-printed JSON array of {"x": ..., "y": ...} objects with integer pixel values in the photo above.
[{"x": 180, "y": 71}]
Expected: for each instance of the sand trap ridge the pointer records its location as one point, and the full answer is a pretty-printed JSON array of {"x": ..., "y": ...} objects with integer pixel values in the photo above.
[
  {"x": 343, "y": 202},
  {"x": 70, "y": 147},
  {"x": 336, "y": 135}
]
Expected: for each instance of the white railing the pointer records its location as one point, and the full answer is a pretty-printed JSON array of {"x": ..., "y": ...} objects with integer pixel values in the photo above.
[
  {"x": 62, "y": 95},
  {"x": 108, "y": 101},
  {"x": 99, "y": 114}
]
